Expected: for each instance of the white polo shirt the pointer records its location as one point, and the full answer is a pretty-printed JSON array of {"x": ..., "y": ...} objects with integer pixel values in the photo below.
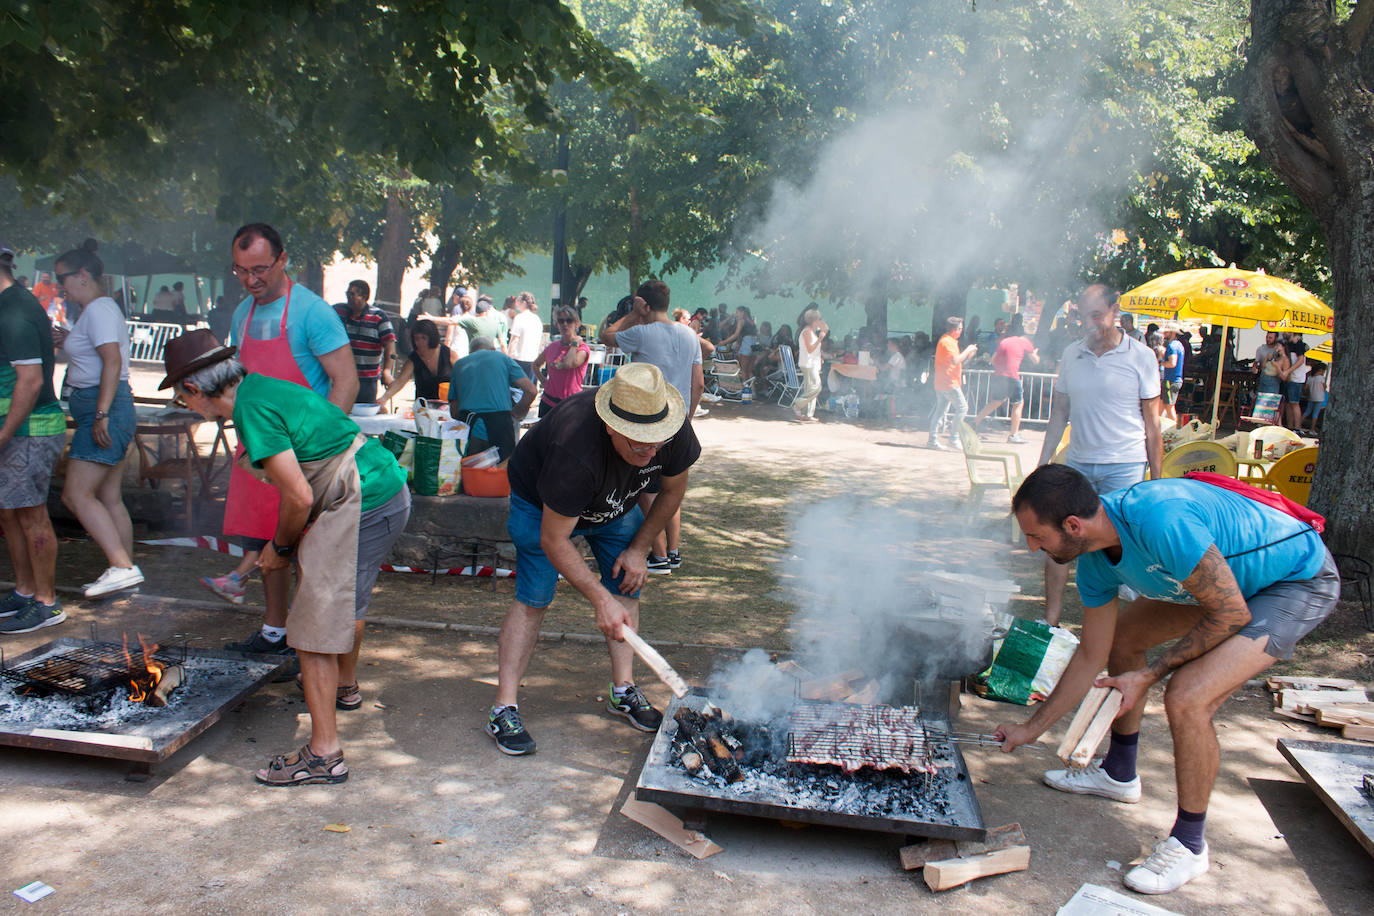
[{"x": 1104, "y": 400}]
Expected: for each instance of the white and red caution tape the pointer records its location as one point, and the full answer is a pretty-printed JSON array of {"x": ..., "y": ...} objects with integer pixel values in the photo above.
[{"x": 234, "y": 550}]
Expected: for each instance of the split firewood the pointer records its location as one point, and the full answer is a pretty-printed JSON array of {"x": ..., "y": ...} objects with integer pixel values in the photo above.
[
  {"x": 792, "y": 669},
  {"x": 173, "y": 676},
  {"x": 834, "y": 688},
  {"x": 657, "y": 663},
  {"x": 1308, "y": 700},
  {"x": 1082, "y": 755},
  {"x": 867, "y": 694},
  {"x": 1359, "y": 732},
  {"x": 943, "y": 875},
  {"x": 1081, "y": 720},
  {"x": 917, "y": 855},
  {"x": 669, "y": 826},
  {"x": 1276, "y": 684},
  {"x": 1346, "y": 715}
]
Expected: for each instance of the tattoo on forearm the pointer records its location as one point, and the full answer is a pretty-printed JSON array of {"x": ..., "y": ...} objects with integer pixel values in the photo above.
[{"x": 1224, "y": 612}]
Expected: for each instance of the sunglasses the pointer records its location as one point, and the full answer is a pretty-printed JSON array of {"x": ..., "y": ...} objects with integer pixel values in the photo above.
[
  {"x": 645, "y": 448},
  {"x": 567, "y": 321},
  {"x": 61, "y": 278}
]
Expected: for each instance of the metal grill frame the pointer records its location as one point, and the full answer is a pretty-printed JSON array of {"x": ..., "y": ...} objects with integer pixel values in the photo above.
[{"x": 102, "y": 666}]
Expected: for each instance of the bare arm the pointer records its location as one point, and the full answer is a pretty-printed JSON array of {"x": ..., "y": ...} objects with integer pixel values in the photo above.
[
  {"x": 296, "y": 499},
  {"x": 698, "y": 386},
  {"x": 388, "y": 360},
  {"x": 1154, "y": 438},
  {"x": 1054, "y": 430},
  {"x": 707, "y": 348},
  {"x": 965, "y": 354},
  {"x": 555, "y": 540},
  {"x": 27, "y": 383},
  {"x": 110, "y": 365},
  {"x": 402, "y": 379},
  {"x": 633, "y": 317},
  {"x": 527, "y": 395},
  {"x": 343, "y": 377},
  {"x": 1099, "y": 626}
]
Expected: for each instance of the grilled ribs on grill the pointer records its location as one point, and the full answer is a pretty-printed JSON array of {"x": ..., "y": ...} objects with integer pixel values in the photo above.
[{"x": 855, "y": 737}]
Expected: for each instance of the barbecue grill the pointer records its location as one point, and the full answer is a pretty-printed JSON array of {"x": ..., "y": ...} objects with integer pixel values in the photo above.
[
  {"x": 933, "y": 797},
  {"x": 84, "y": 670}
]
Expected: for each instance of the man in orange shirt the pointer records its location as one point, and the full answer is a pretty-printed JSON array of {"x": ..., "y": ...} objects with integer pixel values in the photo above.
[{"x": 949, "y": 376}]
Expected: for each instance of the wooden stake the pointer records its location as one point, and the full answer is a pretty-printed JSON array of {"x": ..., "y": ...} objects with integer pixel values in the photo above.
[
  {"x": 943, "y": 875},
  {"x": 657, "y": 663}
]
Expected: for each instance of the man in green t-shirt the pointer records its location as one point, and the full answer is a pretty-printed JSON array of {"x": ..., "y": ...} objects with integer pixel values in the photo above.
[
  {"x": 351, "y": 493},
  {"x": 33, "y": 430},
  {"x": 485, "y": 321}
]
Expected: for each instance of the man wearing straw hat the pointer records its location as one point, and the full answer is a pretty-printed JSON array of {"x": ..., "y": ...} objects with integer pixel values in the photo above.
[
  {"x": 345, "y": 487},
  {"x": 579, "y": 472}
]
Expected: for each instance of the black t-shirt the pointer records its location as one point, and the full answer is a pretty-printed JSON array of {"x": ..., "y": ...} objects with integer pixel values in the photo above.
[{"x": 568, "y": 463}]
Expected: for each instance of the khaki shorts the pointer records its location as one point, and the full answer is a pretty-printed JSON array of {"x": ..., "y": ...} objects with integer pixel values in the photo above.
[{"x": 26, "y": 466}]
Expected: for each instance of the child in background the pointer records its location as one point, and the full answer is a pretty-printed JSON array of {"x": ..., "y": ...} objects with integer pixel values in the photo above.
[{"x": 1315, "y": 391}]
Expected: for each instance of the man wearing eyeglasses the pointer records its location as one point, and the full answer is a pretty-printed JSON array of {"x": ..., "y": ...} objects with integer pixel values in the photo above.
[
  {"x": 283, "y": 331},
  {"x": 579, "y": 473}
]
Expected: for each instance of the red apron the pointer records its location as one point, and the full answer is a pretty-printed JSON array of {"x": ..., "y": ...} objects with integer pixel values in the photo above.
[{"x": 251, "y": 508}]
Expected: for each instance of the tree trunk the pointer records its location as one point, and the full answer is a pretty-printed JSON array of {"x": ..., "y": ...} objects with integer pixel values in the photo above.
[
  {"x": 391, "y": 253},
  {"x": 875, "y": 311},
  {"x": 312, "y": 276},
  {"x": 442, "y": 265},
  {"x": 1313, "y": 122},
  {"x": 951, "y": 300}
]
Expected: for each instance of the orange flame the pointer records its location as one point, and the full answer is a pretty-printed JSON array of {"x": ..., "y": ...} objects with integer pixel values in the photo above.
[{"x": 140, "y": 687}]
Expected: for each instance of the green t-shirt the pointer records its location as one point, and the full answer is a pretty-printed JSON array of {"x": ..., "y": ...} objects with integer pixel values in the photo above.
[
  {"x": 26, "y": 337},
  {"x": 272, "y": 416}
]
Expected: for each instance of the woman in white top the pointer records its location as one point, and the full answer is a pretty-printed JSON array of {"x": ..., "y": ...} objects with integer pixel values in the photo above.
[
  {"x": 101, "y": 403},
  {"x": 813, "y": 335}
]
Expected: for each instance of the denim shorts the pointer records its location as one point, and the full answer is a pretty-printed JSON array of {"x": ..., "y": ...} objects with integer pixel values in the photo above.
[
  {"x": 1009, "y": 388},
  {"x": 121, "y": 424},
  {"x": 1292, "y": 392},
  {"x": 1269, "y": 384},
  {"x": 535, "y": 576},
  {"x": 1287, "y": 611},
  {"x": 1108, "y": 477}
]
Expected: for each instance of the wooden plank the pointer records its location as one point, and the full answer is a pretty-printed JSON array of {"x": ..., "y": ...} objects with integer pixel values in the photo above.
[
  {"x": 1298, "y": 699},
  {"x": 1097, "y": 730},
  {"x": 1081, "y": 720},
  {"x": 1307, "y": 683},
  {"x": 134, "y": 742},
  {"x": 917, "y": 855},
  {"x": 834, "y": 688},
  {"x": 657, "y": 663},
  {"x": 792, "y": 669},
  {"x": 1361, "y": 732},
  {"x": 867, "y": 694},
  {"x": 669, "y": 826},
  {"x": 1300, "y": 716},
  {"x": 1346, "y": 715},
  {"x": 941, "y": 876}
]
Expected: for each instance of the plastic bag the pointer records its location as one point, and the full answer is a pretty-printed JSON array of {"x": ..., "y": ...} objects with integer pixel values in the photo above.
[
  {"x": 401, "y": 443},
  {"x": 488, "y": 458},
  {"x": 438, "y": 467},
  {"x": 1027, "y": 663}
]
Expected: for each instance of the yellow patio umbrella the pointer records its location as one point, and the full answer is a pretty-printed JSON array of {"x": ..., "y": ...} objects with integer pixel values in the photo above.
[
  {"x": 1234, "y": 299},
  {"x": 1322, "y": 351}
]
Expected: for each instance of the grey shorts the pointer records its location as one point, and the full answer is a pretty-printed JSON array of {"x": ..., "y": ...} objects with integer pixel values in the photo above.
[
  {"x": 378, "y": 529},
  {"x": 26, "y": 466},
  {"x": 1288, "y": 611}
]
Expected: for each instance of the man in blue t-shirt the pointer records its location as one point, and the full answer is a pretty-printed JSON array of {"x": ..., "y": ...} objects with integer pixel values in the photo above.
[
  {"x": 479, "y": 394},
  {"x": 1172, "y": 367},
  {"x": 1236, "y": 582}
]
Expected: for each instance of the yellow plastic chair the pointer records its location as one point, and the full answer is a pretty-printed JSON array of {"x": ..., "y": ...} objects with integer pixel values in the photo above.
[
  {"x": 1291, "y": 475},
  {"x": 1199, "y": 456},
  {"x": 989, "y": 469},
  {"x": 1061, "y": 454}
]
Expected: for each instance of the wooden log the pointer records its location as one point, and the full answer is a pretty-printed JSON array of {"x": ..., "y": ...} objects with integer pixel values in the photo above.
[
  {"x": 657, "y": 663},
  {"x": 669, "y": 826},
  {"x": 1082, "y": 755},
  {"x": 1308, "y": 683},
  {"x": 1081, "y": 720},
  {"x": 917, "y": 855},
  {"x": 173, "y": 676},
  {"x": 943, "y": 875}
]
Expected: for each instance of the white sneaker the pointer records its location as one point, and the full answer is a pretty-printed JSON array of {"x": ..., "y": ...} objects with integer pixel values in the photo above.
[
  {"x": 1168, "y": 868},
  {"x": 701, "y": 412},
  {"x": 114, "y": 579},
  {"x": 1016, "y": 440},
  {"x": 1093, "y": 780}
]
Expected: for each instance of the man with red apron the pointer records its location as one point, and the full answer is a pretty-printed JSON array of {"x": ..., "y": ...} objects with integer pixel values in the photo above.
[{"x": 311, "y": 349}]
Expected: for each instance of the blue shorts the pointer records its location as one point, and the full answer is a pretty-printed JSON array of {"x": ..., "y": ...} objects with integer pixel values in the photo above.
[
  {"x": 121, "y": 424},
  {"x": 1108, "y": 477},
  {"x": 535, "y": 576},
  {"x": 1292, "y": 392},
  {"x": 1008, "y": 388}
]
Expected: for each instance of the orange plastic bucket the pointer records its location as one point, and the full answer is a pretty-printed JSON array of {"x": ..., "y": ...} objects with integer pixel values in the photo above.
[{"x": 490, "y": 482}]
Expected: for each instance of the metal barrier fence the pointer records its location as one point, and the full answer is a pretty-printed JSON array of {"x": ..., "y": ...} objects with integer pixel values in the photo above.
[
  {"x": 147, "y": 338},
  {"x": 1037, "y": 394}
]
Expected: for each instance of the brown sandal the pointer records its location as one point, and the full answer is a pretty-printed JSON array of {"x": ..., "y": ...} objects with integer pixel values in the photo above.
[
  {"x": 303, "y": 768},
  {"x": 347, "y": 697}
]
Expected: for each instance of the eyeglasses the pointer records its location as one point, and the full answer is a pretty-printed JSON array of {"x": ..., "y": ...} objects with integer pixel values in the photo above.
[
  {"x": 567, "y": 321},
  {"x": 62, "y": 277},
  {"x": 257, "y": 273},
  {"x": 645, "y": 448}
]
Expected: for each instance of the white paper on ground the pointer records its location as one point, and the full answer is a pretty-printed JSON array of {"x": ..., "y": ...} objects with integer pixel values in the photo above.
[
  {"x": 1095, "y": 900},
  {"x": 33, "y": 892}
]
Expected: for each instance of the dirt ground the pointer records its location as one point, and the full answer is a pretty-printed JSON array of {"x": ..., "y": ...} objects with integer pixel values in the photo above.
[{"x": 440, "y": 821}]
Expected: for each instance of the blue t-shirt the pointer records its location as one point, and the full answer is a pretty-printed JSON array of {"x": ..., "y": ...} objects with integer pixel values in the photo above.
[
  {"x": 1176, "y": 373},
  {"x": 313, "y": 329},
  {"x": 1167, "y": 525},
  {"x": 482, "y": 380}
]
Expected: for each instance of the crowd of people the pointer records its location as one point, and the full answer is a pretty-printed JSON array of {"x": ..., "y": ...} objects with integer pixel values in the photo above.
[{"x": 1230, "y": 582}]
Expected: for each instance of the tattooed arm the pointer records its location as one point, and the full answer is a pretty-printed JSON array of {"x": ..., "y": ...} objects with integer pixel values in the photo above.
[{"x": 1224, "y": 613}]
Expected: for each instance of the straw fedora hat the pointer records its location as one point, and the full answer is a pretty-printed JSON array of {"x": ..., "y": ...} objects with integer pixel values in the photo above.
[
  {"x": 189, "y": 352},
  {"x": 640, "y": 405}
]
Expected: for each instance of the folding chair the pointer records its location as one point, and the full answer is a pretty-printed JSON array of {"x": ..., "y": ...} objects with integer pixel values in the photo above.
[
  {"x": 1265, "y": 411},
  {"x": 989, "y": 469},
  {"x": 785, "y": 383},
  {"x": 723, "y": 380}
]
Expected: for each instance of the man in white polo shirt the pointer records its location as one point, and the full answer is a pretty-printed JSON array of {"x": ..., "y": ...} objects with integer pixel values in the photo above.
[{"x": 1108, "y": 389}]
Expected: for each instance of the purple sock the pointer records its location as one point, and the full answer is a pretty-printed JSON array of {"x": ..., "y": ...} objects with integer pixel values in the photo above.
[
  {"x": 1120, "y": 761},
  {"x": 1188, "y": 829}
]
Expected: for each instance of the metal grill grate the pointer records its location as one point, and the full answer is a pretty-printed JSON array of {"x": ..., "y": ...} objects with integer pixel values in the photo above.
[
  {"x": 84, "y": 670},
  {"x": 854, "y": 737}
]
